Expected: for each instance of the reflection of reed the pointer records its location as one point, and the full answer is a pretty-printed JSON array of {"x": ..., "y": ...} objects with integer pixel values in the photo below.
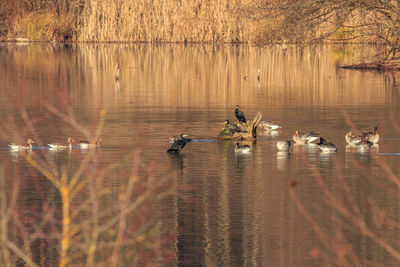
[{"x": 195, "y": 76}]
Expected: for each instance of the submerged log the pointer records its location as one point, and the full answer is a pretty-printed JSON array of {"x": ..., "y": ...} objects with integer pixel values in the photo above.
[
  {"x": 249, "y": 130},
  {"x": 390, "y": 65}
]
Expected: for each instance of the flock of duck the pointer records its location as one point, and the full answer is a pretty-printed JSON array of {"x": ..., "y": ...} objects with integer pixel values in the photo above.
[
  {"x": 58, "y": 146},
  {"x": 361, "y": 142}
]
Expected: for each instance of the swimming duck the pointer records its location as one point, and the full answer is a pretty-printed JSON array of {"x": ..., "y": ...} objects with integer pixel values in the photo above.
[
  {"x": 372, "y": 136},
  {"x": 269, "y": 125},
  {"x": 305, "y": 138},
  {"x": 364, "y": 145},
  {"x": 242, "y": 148},
  {"x": 61, "y": 146},
  {"x": 90, "y": 144},
  {"x": 352, "y": 139},
  {"x": 325, "y": 146},
  {"x": 283, "y": 145},
  {"x": 178, "y": 145},
  {"x": 22, "y": 147},
  {"x": 239, "y": 114}
]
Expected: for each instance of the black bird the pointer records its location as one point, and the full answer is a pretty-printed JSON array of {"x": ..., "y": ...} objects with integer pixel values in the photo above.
[
  {"x": 233, "y": 128},
  {"x": 177, "y": 146},
  {"x": 239, "y": 115}
]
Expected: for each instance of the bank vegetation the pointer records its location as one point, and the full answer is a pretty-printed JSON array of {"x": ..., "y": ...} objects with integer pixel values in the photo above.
[{"x": 231, "y": 21}]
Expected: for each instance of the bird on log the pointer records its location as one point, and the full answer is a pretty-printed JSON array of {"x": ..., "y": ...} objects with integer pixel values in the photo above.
[{"x": 239, "y": 114}]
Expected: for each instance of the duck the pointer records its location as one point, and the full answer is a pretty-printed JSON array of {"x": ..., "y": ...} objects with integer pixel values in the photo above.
[
  {"x": 373, "y": 136},
  {"x": 90, "y": 144},
  {"x": 269, "y": 125},
  {"x": 242, "y": 148},
  {"x": 283, "y": 145},
  {"x": 16, "y": 147},
  {"x": 61, "y": 146},
  {"x": 364, "y": 145},
  {"x": 305, "y": 138},
  {"x": 178, "y": 145},
  {"x": 233, "y": 128},
  {"x": 325, "y": 146},
  {"x": 352, "y": 139},
  {"x": 239, "y": 114}
]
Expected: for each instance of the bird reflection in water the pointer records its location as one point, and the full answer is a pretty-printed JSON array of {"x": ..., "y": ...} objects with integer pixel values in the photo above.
[
  {"x": 271, "y": 133},
  {"x": 282, "y": 158},
  {"x": 326, "y": 157},
  {"x": 176, "y": 160}
]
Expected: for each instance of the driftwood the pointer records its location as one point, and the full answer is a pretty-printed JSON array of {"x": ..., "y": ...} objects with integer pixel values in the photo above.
[
  {"x": 390, "y": 65},
  {"x": 249, "y": 130}
]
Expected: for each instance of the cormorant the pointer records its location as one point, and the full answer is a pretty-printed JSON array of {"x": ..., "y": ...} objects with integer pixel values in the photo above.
[
  {"x": 178, "y": 145},
  {"x": 233, "y": 128},
  {"x": 239, "y": 115}
]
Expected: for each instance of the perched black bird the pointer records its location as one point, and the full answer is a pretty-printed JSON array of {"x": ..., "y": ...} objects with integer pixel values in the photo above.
[
  {"x": 177, "y": 146},
  {"x": 233, "y": 128},
  {"x": 239, "y": 115}
]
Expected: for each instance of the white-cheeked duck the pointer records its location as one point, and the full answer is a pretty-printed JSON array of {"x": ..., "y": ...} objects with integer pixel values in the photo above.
[
  {"x": 373, "y": 136},
  {"x": 305, "y": 138},
  {"x": 16, "y": 147},
  {"x": 326, "y": 147},
  {"x": 269, "y": 125},
  {"x": 364, "y": 145},
  {"x": 352, "y": 139},
  {"x": 56, "y": 146},
  {"x": 90, "y": 144}
]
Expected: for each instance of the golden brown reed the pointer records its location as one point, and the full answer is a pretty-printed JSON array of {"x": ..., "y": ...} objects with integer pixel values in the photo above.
[{"x": 130, "y": 21}]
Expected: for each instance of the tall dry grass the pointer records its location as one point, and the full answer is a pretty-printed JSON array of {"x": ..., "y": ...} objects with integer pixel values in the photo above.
[{"x": 129, "y": 21}]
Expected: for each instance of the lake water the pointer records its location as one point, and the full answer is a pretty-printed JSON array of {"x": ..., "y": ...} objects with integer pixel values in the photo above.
[{"x": 132, "y": 204}]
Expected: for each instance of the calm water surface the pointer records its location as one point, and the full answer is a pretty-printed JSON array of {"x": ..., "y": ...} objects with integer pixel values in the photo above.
[{"x": 216, "y": 208}]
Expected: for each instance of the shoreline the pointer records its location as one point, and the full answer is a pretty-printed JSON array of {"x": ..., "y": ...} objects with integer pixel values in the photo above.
[{"x": 389, "y": 65}]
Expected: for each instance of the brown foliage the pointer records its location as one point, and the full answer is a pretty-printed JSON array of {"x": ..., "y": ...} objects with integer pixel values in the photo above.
[{"x": 343, "y": 20}]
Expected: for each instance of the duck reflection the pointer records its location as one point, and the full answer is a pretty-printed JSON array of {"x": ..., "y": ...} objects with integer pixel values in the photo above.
[
  {"x": 326, "y": 157},
  {"x": 176, "y": 161},
  {"x": 362, "y": 150},
  {"x": 282, "y": 158},
  {"x": 271, "y": 133}
]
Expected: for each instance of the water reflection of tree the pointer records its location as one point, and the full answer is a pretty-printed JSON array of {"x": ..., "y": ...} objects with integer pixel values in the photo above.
[{"x": 70, "y": 213}]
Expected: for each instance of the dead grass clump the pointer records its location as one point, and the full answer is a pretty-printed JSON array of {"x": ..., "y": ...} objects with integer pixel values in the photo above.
[{"x": 44, "y": 26}]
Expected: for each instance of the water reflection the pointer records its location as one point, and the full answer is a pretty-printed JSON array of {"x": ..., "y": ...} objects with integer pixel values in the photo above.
[
  {"x": 271, "y": 133},
  {"x": 225, "y": 208},
  {"x": 282, "y": 158}
]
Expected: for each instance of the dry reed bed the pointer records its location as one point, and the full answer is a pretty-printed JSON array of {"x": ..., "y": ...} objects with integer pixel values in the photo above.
[{"x": 129, "y": 21}]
